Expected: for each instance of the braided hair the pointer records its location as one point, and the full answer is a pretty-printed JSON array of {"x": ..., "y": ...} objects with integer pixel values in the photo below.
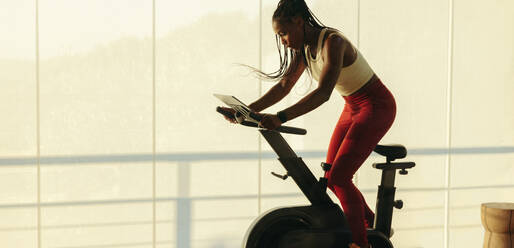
[{"x": 289, "y": 58}]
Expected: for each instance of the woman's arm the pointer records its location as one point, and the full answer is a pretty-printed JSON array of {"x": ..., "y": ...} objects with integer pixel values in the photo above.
[
  {"x": 334, "y": 51},
  {"x": 280, "y": 90}
]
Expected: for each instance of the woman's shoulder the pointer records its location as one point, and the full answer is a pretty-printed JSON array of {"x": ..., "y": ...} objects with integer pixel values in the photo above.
[
  {"x": 332, "y": 36},
  {"x": 334, "y": 32}
]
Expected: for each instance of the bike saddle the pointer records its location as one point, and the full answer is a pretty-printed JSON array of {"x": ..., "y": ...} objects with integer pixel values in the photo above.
[{"x": 392, "y": 152}]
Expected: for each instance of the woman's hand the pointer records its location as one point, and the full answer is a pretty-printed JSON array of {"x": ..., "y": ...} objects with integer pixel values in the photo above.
[{"x": 270, "y": 121}]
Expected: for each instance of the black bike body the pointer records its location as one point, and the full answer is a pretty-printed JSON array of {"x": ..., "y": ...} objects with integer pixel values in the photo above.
[{"x": 323, "y": 223}]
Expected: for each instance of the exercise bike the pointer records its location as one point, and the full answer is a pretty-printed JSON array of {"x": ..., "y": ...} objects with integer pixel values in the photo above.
[{"x": 323, "y": 223}]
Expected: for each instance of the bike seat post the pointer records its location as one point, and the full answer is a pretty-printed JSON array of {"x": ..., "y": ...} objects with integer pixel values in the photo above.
[
  {"x": 388, "y": 178},
  {"x": 385, "y": 200},
  {"x": 386, "y": 193}
]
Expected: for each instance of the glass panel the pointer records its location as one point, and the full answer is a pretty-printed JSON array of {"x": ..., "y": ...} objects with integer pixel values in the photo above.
[
  {"x": 166, "y": 213},
  {"x": 18, "y": 141},
  {"x": 223, "y": 178},
  {"x": 197, "y": 57},
  {"x": 402, "y": 41},
  {"x": 472, "y": 170},
  {"x": 18, "y": 185},
  {"x": 90, "y": 182},
  {"x": 483, "y": 106},
  {"x": 96, "y": 83},
  {"x": 19, "y": 225},
  {"x": 17, "y": 79},
  {"x": 224, "y": 208},
  {"x": 167, "y": 179},
  {"x": 116, "y": 223},
  {"x": 234, "y": 215},
  {"x": 96, "y": 122},
  {"x": 482, "y": 133},
  {"x": 222, "y": 193}
]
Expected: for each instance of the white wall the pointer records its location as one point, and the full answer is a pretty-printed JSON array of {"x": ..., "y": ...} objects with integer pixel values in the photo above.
[{"x": 109, "y": 136}]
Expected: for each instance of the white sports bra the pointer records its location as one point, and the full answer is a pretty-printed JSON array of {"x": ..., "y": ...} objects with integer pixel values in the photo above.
[{"x": 351, "y": 78}]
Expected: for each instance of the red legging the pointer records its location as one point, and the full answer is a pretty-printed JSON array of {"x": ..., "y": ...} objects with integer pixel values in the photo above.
[{"x": 367, "y": 116}]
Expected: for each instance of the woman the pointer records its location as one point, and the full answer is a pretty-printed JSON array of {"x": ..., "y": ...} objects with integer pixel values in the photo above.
[{"x": 369, "y": 110}]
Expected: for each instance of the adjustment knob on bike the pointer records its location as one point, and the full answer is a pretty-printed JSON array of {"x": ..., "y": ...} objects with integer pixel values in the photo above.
[
  {"x": 284, "y": 177},
  {"x": 325, "y": 166},
  {"x": 403, "y": 172},
  {"x": 398, "y": 204}
]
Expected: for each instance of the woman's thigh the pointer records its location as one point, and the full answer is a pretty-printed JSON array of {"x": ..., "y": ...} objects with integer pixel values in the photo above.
[
  {"x": 340, "y": 131},
  {"x": 369, "y": 125}
]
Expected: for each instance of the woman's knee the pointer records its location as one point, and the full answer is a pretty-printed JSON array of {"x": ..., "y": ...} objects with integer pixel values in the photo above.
[{"x": 341, "y": 180}]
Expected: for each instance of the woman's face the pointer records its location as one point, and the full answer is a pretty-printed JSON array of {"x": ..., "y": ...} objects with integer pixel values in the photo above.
[{"x": 290, "y": 32}]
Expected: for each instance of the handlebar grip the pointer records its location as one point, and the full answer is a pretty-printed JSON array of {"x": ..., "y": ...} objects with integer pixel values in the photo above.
[
  {"x": 291, "y": 130},
  {"x": 282, "y": 129},
  {"x": 255, "y": 117},
  {"x": 225, "y": 113}
]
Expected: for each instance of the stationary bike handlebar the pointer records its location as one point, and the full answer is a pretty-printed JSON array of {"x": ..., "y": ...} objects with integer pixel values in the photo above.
[{"x": 282, "y": 129}]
